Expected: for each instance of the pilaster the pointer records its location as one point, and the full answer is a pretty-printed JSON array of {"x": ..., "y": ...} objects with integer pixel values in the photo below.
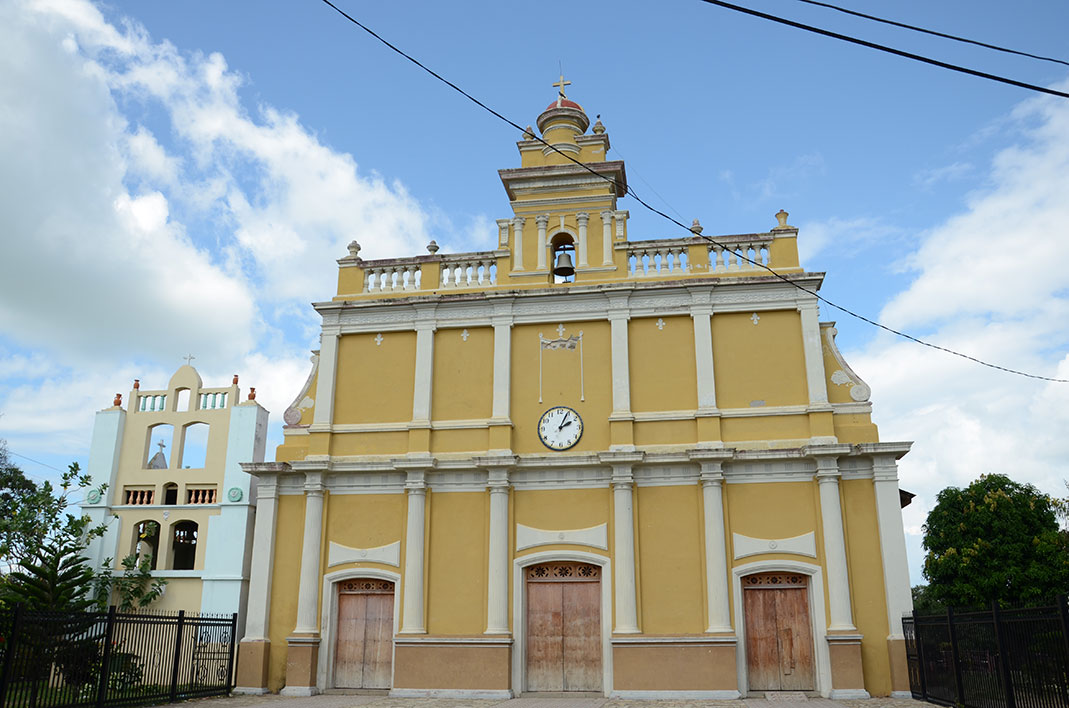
[
  {"x": 606, "y": 238},
  {"x": 718, "y": 606},
  {"x": 624, "y": 583},
  {"x": 828, "y": 475},
  {"x": 542, "y": 220},
  {"x": 895, "y": 566},
  {"x": 822, "y": 430},
  {"x": 412, "y": 619},
  {"x": 302, "y": 655},
  {"x": 497, "y": 615},
  {"x": 323, "y": 415},
  {"x": 254, "y": 651},
  {"x": 517, "y": 242},
  {"x": 621, "y": 420},
  {"x": 419, "y": 437},
  {"x": 582, "y": 218}
]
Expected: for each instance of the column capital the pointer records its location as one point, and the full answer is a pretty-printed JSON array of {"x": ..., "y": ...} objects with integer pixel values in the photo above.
[
  {"x": 519, "y": 221},
  {"x": 313, "y": 483},
  {"x": 885, "y": 468},
  {"x": 582, "y": 218},
  {"x": 606, "y": 217},
  {"x": 542, "y": 220}
]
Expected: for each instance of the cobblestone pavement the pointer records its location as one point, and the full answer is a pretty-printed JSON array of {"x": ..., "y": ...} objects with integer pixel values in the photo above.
[{"x": 379, "y": 701}]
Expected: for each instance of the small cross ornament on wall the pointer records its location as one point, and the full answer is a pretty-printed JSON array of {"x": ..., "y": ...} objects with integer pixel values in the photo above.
[
  {"x": 755, "y": 318},
  {"x": 464, "y": 335},
  {"x": 378, "y": 339},
  {"x": 560, "y": 330},
  {"x": 659, "y": 323}
]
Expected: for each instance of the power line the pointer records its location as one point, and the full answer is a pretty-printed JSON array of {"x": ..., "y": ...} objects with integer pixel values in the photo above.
[
  {"x": 36, "y": 462},
  {"x": 889, "y": 50},
  {"x": 933, "y": 32},
  {"x": 629, "y": 190}
]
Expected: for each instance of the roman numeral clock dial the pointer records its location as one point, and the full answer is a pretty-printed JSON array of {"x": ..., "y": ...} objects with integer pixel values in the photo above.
[{"x": 560, "y": 428}]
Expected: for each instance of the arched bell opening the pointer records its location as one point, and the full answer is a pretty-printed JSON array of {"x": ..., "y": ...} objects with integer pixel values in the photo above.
[{"x": 563, "y": 258}]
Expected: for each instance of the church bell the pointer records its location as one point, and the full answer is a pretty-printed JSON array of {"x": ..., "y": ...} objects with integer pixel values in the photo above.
[{"x": 564, "y": 267}]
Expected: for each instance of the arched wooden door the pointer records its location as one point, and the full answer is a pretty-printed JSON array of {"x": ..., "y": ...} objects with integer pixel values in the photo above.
[
  {"x": 363, "y": 651},
  {"x": 563, "y": 647},
  {"x": 779, "y": 640}
]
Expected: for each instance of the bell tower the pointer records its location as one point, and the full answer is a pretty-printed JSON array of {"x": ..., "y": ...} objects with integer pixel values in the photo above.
[{"x": 565, "y": 219}]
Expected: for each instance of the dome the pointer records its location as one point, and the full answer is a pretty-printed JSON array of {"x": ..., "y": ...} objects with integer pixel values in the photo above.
[{"x": 564, "y": 103}]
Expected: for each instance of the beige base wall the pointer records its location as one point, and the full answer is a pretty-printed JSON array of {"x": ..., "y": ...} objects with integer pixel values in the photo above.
[
  {"x": 674, "y": 667},
  {"x": 252, "y": 664},
  {"x": 846, "y": 669},
  {"x": 896, "y": 652},
  {"x": 302, "y": 658},
  {"x": 452, "y": 666}
]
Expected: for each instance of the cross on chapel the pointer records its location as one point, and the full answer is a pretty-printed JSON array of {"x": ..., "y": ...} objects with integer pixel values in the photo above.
[
  {"x": 560, "y": 89},
  {"x": 160, "y": 443},
  {"x": 189, "y": 359}
]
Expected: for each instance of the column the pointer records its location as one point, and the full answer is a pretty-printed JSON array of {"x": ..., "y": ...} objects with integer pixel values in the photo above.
[
  {"x": 412, "y": 622},
  {"x": 606, "y": 238},
  {"x": 814, "y": 355},
  {"x": 517, "y": 242},
  {"x": 834, "y": 545},
  {"x": 328, "y": 365},
  {"x": 621, "y": 382},
  {"x": 254, "y": 652},
  {"x": 497, "y": 611},
  {"x": 892, "y": 542},
  {"x": 308, "y": 592},
  {"x": 543, "y": 221},
  {"x": 895, "y": 568},
  {"x": 263, "y": 551},
  {"x": 718, "y": 607},
  {"x": 583, "y": 219},
  {"x": 703, "y": 355},
  {"x": 421, "y": 397},
  {"x": 624, "y": 546}
]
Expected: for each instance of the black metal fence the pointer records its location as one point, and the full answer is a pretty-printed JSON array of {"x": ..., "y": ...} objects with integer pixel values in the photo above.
[
  {"x": 997, "y": 658},
  {"x": 60, "y": 659}
]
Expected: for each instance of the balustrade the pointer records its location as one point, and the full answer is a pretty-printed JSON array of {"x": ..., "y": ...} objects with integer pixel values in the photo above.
[
  {"x": 139, "y": 497},
  {"x": 650, "y": 260},
  {"x": 392, "y": 277},
  {"x": 469, "y": 271},
  {"x": 147, "y": 402},
  {"x": 739, "y": 256},
  {"x": 200, "y": 496},
  {"x": 213, "y": 401}
]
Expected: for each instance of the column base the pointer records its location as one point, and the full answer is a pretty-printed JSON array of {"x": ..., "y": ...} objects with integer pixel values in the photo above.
[
  {"x": 896, "y": 653},
  {"x": 302, "y": 663},
  {"x": 847, "y": 679},
  {"x": 253, "y": 661}
]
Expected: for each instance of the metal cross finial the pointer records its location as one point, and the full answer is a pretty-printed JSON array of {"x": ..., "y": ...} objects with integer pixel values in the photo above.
[
  {"x": 561, "y": 84},
  {"x": 189, "y": 359}
]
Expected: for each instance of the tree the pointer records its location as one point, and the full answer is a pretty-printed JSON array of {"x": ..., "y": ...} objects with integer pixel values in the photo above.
[
  {"x": 136, "y": 586},
  {"x": 995, "y": 540},
  {"x": 57, "y": 579}
]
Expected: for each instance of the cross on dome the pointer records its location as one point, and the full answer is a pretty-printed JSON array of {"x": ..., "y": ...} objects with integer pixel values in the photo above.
[
  {"x": 560, "y": 89},
  {"x": 189, "y": 359}
]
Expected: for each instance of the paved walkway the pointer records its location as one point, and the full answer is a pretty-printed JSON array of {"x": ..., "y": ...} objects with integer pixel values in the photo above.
[{"x": 351, "y": 701}]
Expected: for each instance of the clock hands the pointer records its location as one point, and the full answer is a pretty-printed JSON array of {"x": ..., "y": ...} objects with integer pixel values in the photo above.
[{"x": 564, "y": 423}]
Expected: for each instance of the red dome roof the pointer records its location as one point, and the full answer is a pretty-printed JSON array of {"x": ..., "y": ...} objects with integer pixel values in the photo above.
[{"x": 564, "y": 103}]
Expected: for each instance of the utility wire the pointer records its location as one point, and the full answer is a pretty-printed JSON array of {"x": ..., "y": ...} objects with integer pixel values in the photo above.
[
  {"x": 37, "y": 462},
  {"x": 629, "y": 190},
  {"x": 889, "y": 50},
  {"x": 933, "y": 32}
]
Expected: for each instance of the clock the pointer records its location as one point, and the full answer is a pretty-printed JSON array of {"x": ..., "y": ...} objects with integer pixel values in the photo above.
[{"x": 560, "y": 428}]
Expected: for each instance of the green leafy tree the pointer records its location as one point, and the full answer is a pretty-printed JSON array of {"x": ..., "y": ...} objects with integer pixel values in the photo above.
[
  {"x": 995, "y": 540},
  {"x": 923, "y": 603},
  {"x": 136, "y": 587}
]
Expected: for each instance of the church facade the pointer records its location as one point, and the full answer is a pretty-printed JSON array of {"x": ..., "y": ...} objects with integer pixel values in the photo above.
[
  {"x": 579, "y": 463},
  {"x": 175, "y": 491}
]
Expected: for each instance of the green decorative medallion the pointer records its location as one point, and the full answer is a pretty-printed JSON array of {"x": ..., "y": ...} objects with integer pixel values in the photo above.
[
  {"x": 93, "y": 497},
  {"x": 234, "y": 494}
]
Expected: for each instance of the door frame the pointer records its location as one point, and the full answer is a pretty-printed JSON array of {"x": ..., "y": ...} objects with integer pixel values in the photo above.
[
  {"x": 329, "y": 618},
  {"x": 817, "y": 620},
  {"x": 519, "y": 612}
]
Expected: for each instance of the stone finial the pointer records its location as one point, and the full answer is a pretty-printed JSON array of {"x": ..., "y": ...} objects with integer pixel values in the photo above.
[
  {"x": 432, "y": 247},
  {"x": 528, "y": 133},
  {"x": 118, "y": 400},
  {"x": 696, "y": 227},
  {"x": 235, "y": 379},
  {"x": 599, "y": 127},
  {"x": 781, "y": 217},
  {"x": 137, "y": 384},
  {"x": 354, "y": 249},
  {"x": 252, "y": 394}
]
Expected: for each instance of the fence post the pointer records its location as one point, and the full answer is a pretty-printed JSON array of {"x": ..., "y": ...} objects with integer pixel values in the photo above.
[
  {"x": 1063, "y": 610},
  {"x": 1003, "y": 656},
  {"x": 230, "y": 657},
  {"x": 105, "y": 659},
  {"x": 177, "y": 654},
  {"x": 920, "y": 656},
  {"x": 9, "y": 653},
  {"x": 959, "y": 686}
]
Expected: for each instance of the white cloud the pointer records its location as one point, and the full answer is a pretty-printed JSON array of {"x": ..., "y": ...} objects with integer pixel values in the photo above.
[
  {"x": 991, "y": 281},
  {"x": 845, "y": 235},
  {"x": 931, "y": 176}
]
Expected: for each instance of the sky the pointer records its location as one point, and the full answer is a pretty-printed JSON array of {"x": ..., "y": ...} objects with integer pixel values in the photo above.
[{"x": 179, "y": 178}]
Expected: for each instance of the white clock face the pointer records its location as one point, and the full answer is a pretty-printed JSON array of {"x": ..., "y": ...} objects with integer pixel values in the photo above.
[{"x": 560, "y": 428}]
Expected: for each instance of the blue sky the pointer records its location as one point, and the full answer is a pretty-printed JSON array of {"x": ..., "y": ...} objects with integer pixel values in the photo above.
[{"x": 179, "y": 177}]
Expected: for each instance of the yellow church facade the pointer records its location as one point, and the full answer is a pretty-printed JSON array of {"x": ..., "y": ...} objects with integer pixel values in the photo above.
[{"x": 579, "y": 463}]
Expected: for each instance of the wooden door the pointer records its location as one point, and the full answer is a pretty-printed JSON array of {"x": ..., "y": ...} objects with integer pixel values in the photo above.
[
  {"x": 363, "y": 654},
  {"x": 564, "y": 627},
  {"x": 779, "y": 641}
]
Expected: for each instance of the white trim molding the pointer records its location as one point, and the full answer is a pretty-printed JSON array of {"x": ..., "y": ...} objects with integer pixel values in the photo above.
[
  {"x": 519, "y": 612},
  {"x": 390, "y": 554},
  {"x": 804, "y": 545},
  {"x": 594, "y": 536}
]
